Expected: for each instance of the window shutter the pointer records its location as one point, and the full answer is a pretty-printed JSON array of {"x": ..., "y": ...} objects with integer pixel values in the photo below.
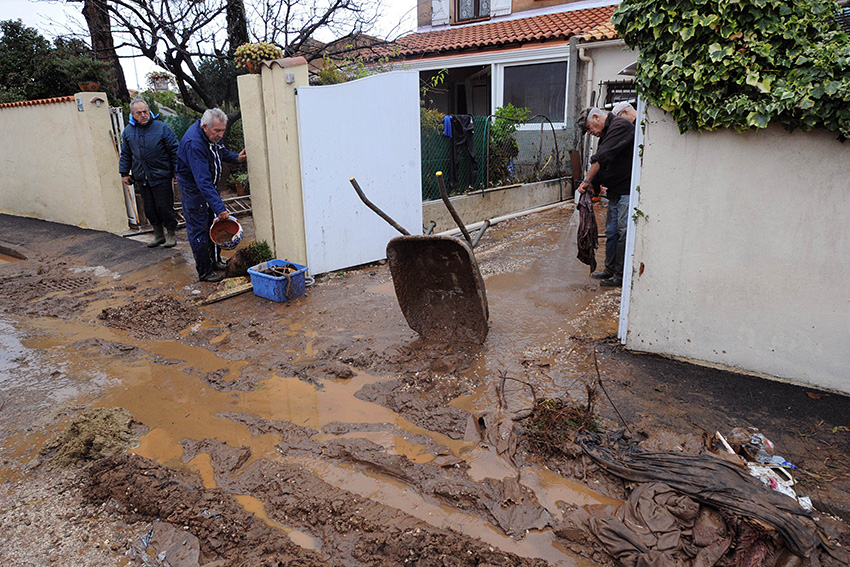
[
  {"x": 500, "y": 7},
  {"x": 440, "y": 12}
]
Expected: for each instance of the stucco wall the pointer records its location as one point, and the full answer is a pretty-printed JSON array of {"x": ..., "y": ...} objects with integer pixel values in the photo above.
[
  {"x": 743, "y": 255},
  {"x": 270, "y": 124},
  {"x": 60, "y": 164},
  {"x": 608, "y": 61}
]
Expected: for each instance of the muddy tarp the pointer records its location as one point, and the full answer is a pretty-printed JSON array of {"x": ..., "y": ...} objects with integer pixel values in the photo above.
[
  {"x": 658, "y": 527},
  {"x": 716, "y": 482},
  {"x": 588, "y": 232}
]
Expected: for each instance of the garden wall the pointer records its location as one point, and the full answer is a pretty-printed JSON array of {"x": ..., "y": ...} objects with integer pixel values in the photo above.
[
  {"x": 60, "y": 163},
  {"x": 742, "y": 251},
  {"x": 491, "y": 203}
]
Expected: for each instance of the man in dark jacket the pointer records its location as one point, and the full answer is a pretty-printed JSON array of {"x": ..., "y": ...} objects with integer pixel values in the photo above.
[
  {"x": 199, "y": 160},
  {"x": 611, "y": 166},
  {"x": 149, "y": 151}
]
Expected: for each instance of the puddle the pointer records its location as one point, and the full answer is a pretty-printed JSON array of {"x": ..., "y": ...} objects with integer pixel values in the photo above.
[
  {"x": 298, "y": 537},
  {"x": 386, "y": 288},
  {"x": 535, "y": 544},
  {"x": 12, "y": 351},
  {"x": 177, "y": 404}
]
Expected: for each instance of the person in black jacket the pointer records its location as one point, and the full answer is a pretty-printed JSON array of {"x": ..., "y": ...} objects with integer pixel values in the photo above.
[
  {"x": 149, "y": 151},
  {"x": 611, "y": 166}
]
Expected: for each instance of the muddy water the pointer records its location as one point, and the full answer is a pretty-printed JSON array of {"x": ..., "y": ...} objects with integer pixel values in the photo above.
[
  {"x": 5, "y": 259},
  {"x": 175, "y": 404},
  {"x": 534, "y": 311}
]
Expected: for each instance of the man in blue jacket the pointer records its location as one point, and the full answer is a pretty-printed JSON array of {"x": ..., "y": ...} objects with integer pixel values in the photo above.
[
  {"x": 149, "y": 151},
  {"x": 199, "y": 158}
]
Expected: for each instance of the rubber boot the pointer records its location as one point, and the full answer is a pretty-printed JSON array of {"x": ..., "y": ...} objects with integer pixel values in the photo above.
[
  {"x": 158, "y": 236},
  {"x": 171, "y": 240}
]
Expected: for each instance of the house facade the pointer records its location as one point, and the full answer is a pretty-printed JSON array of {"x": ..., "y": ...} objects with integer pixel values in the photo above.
[{"x": 552, "y": 57}]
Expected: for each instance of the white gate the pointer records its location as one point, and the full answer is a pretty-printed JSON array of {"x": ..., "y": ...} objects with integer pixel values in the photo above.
[{"x": 367, "y": 129}]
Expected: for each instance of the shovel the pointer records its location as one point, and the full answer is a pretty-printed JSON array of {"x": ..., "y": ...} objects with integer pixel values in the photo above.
[{"x": 436, "y": 279}]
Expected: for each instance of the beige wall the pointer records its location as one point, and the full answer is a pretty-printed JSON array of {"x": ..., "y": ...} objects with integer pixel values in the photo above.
[
  {"x": 423, "y": 13},
  {"x": 743, "y": 256},
  {"x": 609, "y": 58},
  {"x": 270, "y": 123},
  {"x": 60, "y": 164}
]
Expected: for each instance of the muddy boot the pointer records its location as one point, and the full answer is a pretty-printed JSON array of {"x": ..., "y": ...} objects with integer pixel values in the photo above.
[
  {"x": 171, "y": 240},
  {"x": 158, "y": 236}
]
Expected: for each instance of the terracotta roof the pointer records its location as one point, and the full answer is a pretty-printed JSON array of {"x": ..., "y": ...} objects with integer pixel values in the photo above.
[
  {"x": 37, "y": 102},
  {"x": 559, "y": 26},
  {"x": 602, "y": 31}
]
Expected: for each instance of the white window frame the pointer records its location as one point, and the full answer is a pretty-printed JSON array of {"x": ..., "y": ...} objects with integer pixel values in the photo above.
[
  {"x": 497, "y": 63},
  {"x": 498, "y": 94}
]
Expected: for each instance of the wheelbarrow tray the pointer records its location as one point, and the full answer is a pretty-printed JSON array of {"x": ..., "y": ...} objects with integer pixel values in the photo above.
[{"x": 439, "y": 287}]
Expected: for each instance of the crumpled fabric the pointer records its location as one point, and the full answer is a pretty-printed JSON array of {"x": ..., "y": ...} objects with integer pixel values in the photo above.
[
  {"x": 653, "y": 529},
  {"x": 588, "y": 232},
  {"x": 716, "y": 482}
]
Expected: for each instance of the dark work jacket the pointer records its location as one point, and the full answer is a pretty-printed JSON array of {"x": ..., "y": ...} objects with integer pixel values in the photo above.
[
  {"x": 149, "y": 151},
  {"x": 614, "y": 154},
  {"x": 199, "y": 168}
]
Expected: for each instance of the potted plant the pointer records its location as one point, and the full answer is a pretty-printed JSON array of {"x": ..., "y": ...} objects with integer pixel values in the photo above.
[
  {"x": 89, "y": 86},
  {"x": 160, "y": 81},
  {"x": 250, "y": 55},
  {"x": 242, "y": 183}
]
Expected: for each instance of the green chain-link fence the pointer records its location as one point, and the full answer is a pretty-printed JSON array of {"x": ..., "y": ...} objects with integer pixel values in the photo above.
[
  {"x": 507, "y": 152},
  {"x": 436, "y": 156}
]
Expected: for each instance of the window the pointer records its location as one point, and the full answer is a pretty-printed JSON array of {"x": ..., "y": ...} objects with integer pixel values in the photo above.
[
  {"x": 542, "y": 88},
  {"x": 472, "y": 9},
  {"x": 842, "y": 16},
  {"x": 618, "y": 91}
]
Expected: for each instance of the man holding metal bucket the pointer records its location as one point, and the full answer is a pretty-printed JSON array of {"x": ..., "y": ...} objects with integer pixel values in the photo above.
[{"x": 199, "y": 158}]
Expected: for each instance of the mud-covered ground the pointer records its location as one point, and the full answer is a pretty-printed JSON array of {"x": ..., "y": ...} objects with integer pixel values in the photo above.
[{"x": 138, "y": 427}]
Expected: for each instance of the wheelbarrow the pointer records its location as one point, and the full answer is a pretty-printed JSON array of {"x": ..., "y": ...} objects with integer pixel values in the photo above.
[{"x": 437, "y": 282}]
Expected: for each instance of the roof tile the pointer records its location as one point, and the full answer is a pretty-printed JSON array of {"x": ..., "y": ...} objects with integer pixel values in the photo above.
[
  {"x": 54, "y": 100},
  {"x": 590, "y": 23}
]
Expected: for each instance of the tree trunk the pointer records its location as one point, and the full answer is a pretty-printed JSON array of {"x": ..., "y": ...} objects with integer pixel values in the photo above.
[
  {"x": 237, "y": 25},
  {"x": 97, "y": 18}
]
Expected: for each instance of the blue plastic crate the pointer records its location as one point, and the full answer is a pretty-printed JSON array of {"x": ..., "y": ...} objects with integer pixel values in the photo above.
[{"x": 278, "y": 289}]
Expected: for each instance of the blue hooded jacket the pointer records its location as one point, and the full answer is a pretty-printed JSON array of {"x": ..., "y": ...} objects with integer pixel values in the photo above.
[
  {"x": 199, "y": 168},
  {"x": 149, "y": 151}
]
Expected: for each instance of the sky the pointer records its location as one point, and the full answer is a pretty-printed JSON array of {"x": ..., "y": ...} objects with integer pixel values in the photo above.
[{"x": 52, "y": 18}]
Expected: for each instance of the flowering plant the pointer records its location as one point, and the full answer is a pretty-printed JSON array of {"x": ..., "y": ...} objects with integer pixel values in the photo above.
[
  {"x": 160, "y": 80},
  {"x": 248, "y": 55}
]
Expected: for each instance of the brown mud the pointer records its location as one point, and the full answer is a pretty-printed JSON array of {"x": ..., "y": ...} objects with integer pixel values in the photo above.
[{"x": 325, "y": 431}]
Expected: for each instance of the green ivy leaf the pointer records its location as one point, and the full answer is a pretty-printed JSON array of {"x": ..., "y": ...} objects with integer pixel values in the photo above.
[{"x": 757, "y": 120}]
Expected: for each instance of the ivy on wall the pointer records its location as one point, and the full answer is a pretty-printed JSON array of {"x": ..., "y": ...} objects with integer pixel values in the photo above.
[{"x": 741, "y": 63}]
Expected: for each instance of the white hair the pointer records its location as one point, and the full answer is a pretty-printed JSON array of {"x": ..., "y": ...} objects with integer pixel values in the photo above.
[
  {"x": 585, "y": 116},
  {"x": 594, "y": 111},
  {"x": 213, "y": 114},
  {"x": 621, "y": 106},
  {"x": 136, "y": 101}
]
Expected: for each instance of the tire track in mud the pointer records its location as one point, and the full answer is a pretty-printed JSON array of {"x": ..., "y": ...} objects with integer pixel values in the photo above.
[{"x": 353, "y": 531}]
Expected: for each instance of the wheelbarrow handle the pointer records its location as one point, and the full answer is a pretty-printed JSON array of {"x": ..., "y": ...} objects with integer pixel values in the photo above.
[
  {"x": 375, "y": 208},
  {"x": 451, "y": 208}
]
